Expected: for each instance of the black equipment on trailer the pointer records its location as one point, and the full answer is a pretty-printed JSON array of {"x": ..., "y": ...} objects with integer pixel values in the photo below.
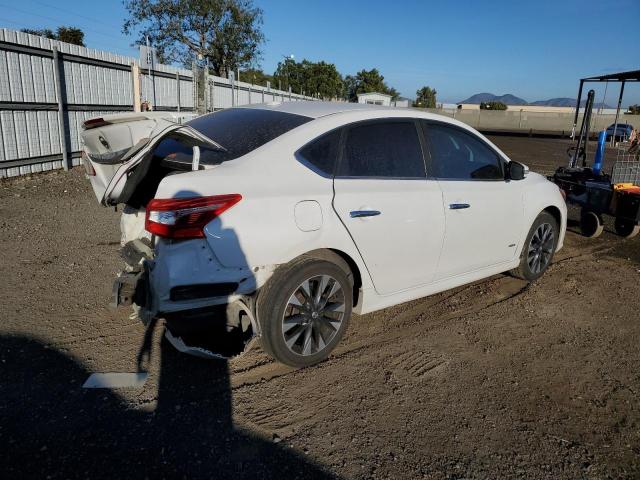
[
  {"x": 579, "y": 151},
  {"x": 597, "y": 193}
]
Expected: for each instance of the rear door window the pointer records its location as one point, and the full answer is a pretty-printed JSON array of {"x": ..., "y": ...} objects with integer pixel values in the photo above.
[
  {"x": 242, "y": 130},
  {"x": 458, "y": 155},
  {"x": 382, "y": 149},
  {"x": 321, "y": 155}
]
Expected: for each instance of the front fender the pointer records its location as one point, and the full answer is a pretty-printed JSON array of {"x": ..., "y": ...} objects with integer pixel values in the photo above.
[{"x": 540, "y": 194}]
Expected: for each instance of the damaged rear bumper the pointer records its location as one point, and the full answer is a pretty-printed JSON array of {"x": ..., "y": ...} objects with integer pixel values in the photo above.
[{"x": 211, "y": 317}]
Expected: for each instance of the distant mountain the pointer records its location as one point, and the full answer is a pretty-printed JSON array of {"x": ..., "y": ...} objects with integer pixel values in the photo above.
[
  {"x": 567, "y": 102},
  {"x": 556, "y": 102},
  {"x": 509, "y": 99}
]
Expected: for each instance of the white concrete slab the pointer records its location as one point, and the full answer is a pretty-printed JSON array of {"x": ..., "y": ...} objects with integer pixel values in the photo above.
[{"x": 115, "y": 380}]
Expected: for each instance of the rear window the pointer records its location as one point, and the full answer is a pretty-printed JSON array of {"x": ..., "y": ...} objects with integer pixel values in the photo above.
[{"x": 241, "y": 130}]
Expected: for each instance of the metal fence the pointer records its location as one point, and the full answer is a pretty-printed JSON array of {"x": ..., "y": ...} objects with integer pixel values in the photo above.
[{"x": 49, "y": 88}]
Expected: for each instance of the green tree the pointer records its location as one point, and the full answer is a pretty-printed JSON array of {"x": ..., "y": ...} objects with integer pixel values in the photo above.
[
  {"x": 366, "y": 81},
  {"x": 288, "y": 74},
  {"x": 492, "y": 106},
  {"x": 225, "y": 33},
  {"x": 426, "y": 97},
  {"x": 312, "y": 78},
  {"x": 324, "y": 80},
  {"x": 71, "y": 35},
  {"x": 255, "y": 76},
  {"x": 64, "y": 34},
  {"x": 634, "y": 109},
  {"x": 44, "y": 32}
]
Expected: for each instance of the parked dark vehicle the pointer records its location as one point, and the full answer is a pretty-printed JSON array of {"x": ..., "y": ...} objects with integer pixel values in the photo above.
[{"x": 622, "y": 131}]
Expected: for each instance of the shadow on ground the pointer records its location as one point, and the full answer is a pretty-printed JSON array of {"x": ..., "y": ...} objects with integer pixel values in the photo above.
[{"x": 52, "y": 428}]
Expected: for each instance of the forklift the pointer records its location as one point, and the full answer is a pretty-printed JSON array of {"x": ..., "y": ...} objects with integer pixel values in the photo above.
[{"x": 598, "y": 194}]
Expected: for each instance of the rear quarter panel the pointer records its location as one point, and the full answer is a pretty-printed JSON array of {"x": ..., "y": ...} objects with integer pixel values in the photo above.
[{"x": 261, "y": 230}]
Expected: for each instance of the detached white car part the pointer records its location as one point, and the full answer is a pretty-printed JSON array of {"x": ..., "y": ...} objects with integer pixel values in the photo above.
[{"x": 278, "y": 220}]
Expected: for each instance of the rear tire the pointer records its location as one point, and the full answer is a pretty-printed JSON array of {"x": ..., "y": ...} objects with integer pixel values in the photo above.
[
  {"x": 304, "y": 310},
  {"x": 591, "y": 224},
  {"x": 626, "y": 228},
  {"x": 538, "y": 249}
]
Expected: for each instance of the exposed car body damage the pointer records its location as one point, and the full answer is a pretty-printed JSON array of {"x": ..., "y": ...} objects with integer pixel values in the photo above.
[{"x": 220, "y": 210}]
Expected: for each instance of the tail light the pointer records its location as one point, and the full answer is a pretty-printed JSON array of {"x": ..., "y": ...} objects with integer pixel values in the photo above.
[
  {"x": 88, "y": 167},
  {"x": 186, "y": 217}
]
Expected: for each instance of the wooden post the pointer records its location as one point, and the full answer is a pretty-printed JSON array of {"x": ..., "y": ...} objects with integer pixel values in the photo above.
[
  {"x": 58, "y": 72},
  {"x": 212, "y": 87},
  {"x": 135, "y": 81},
  {"x": 178, "y": 89}
]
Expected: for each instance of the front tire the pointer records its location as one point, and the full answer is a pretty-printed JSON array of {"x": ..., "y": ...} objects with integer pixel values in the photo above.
[
  {"x": 304, "y": 310},
  {"x": 539, "y": 247}
]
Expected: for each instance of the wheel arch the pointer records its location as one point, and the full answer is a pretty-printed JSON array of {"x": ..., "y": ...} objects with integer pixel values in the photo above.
[
  {"x": 335, "y": 255},
  {"x": 555, "y": 213},
  {"x": 552, "y": 210}
]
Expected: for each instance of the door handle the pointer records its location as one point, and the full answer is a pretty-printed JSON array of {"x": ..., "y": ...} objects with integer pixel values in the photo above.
[
  {"x": 458, "y": 206},
  {"x": 364, "y": 213}
]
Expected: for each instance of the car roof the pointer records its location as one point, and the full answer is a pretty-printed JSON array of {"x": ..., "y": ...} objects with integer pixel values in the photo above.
[
  {"x": 319, "y": 109},
  {"x": 316, "y": 109}
]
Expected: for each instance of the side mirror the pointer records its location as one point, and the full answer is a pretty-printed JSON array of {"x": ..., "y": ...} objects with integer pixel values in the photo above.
[{"x": 516, "y": 171}]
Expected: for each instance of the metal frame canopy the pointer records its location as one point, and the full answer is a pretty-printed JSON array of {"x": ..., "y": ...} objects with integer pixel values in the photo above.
[{"x": 622, "y": 78}]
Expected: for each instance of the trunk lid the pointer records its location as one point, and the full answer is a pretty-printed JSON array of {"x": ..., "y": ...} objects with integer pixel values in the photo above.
[{"x": 118, "y": 144}]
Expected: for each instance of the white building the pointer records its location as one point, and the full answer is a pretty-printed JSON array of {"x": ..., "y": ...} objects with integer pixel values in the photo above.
[
  {"x": 375, "y": 98},
  {"x": 402, "y": 102}
]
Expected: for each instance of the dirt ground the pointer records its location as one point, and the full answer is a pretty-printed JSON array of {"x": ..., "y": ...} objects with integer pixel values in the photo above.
[{"x": 497, "y": 379}]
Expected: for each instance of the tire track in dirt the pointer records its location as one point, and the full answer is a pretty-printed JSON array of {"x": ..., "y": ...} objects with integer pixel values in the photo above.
[
  {"x": 398, "y": 323},
  {"x": 418, "y": 363}
]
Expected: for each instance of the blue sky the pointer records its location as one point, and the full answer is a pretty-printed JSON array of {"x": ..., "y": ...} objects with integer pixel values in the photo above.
[{"x": 532, "y": 49}]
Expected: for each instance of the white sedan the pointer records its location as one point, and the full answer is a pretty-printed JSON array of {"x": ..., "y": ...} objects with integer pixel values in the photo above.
[{"x": 280, "y": 220}]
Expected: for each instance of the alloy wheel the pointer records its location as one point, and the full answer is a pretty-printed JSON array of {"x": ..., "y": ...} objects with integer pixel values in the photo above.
[
  {"x": 313, "y": 315},
  {"x": 540, "y": 248}
]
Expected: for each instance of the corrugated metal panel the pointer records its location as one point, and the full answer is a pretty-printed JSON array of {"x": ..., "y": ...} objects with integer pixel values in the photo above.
[
  {"x": 5, "y": 92},
  {"x": 33, "y": 136},
  {"x": 43, "y": 133},
  {"x": 20, "y": 123},
  {"x": 15, "y": 80},
  {"x": 30, "y": 78},
  {"x": 54, "y": 132},
  {"x": 38, "y": 79},
  {"x": 49, "y": 85},
  {"x": 9, "y": 128},
  {"x": 27, "y": 78},
  {"x": 9, "y": 135},
  {"x": 82, "y": 82},
  {"x": 2, "y": 143}
]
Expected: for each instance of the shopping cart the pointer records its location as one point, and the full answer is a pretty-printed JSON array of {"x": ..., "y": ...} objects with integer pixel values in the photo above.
[{"x": 626, "y": 168}]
